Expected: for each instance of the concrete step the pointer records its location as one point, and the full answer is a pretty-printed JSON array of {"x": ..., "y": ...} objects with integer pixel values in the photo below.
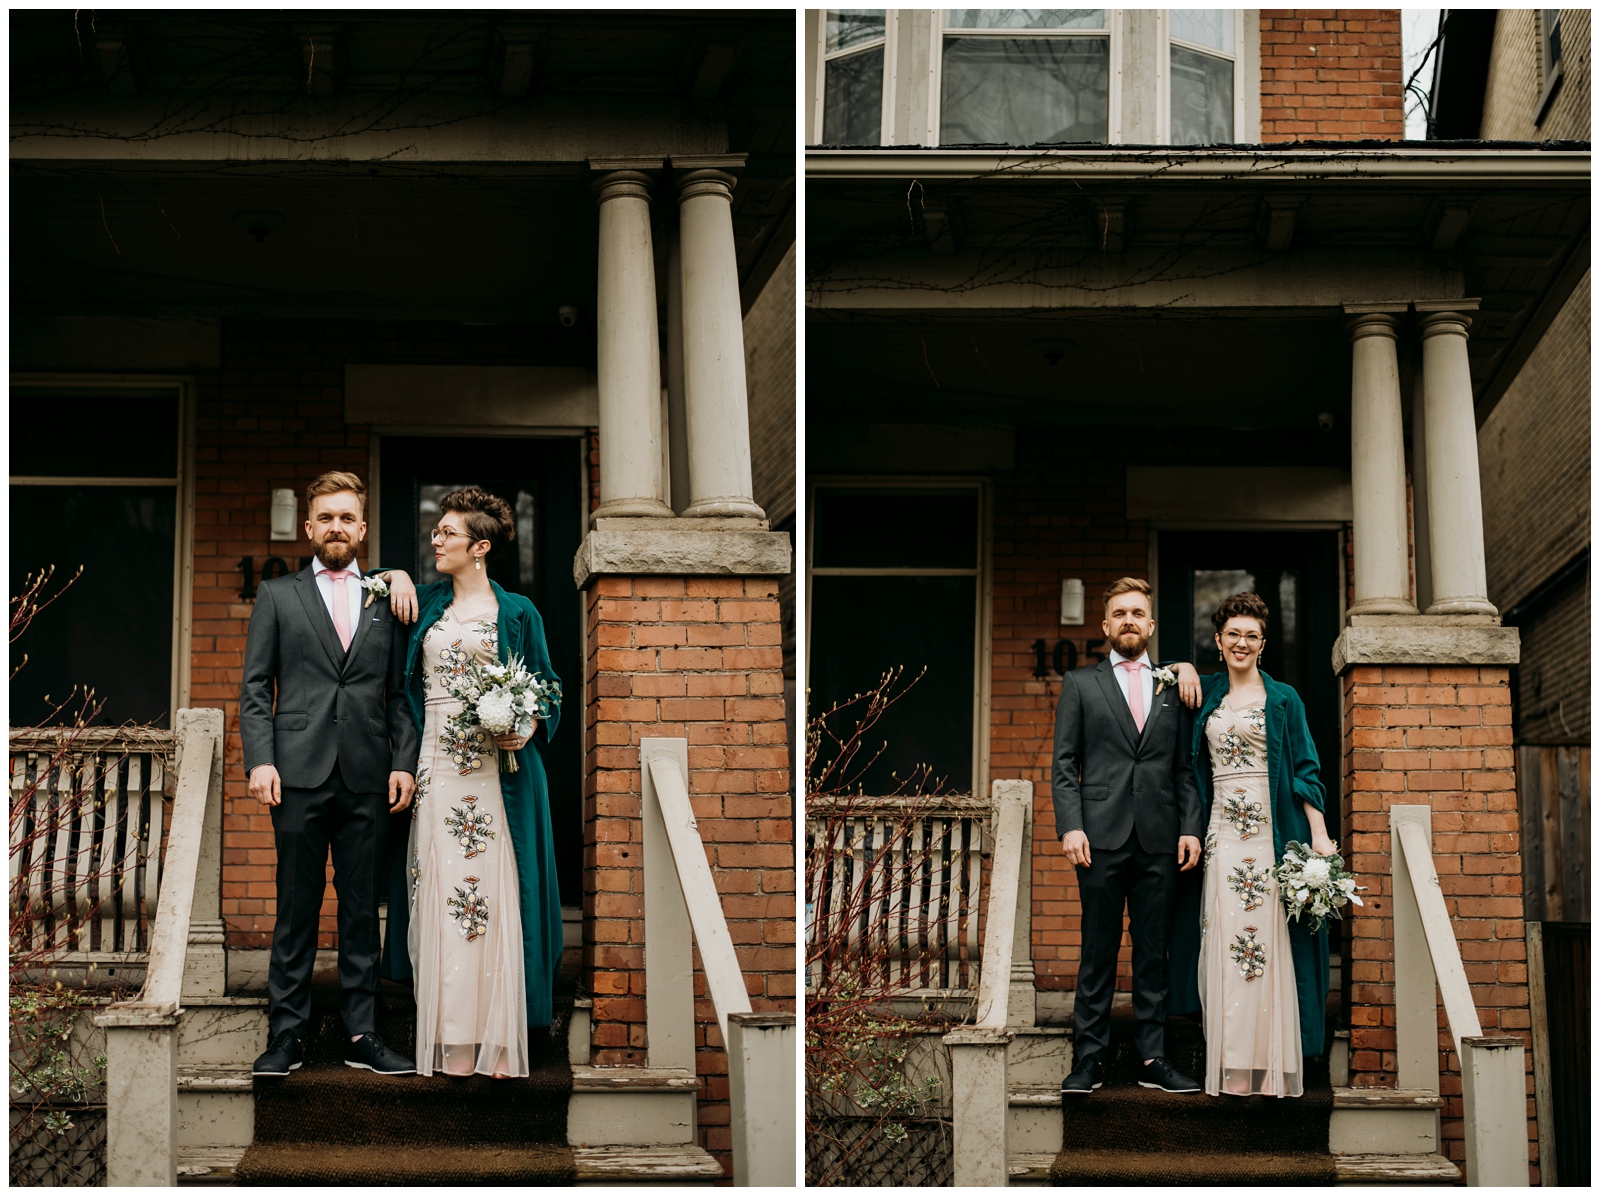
[
  {"x": 216, "y": 1109},
  {"x": 645, "y": 1166},
  {"x": 1030, "y": 1168},
  {"x": 222, "y": 1031},
  {"x": 632, "y": 1107},
  {"x": 1379, "y": 1169},
  {"x": 207, "y": 1166}
]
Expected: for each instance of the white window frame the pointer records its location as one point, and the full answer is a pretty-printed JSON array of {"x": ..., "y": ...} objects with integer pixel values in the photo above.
[
  {"x": 983, "y": 614},
  {"x": 1551, "y": 67},
  {"x": 1113, "y": 66},
  {"x": 1164, "y": 72},
  {"x": 890, "y": 44},
  {"x": 183, "y": 486}
]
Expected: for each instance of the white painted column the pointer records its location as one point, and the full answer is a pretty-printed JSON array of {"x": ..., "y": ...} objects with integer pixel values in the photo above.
[
  {"x": 713, "y": 344},
  {"x": 629, "y": 349},
  {"x": 1423, "y": 547},
  {"x": 1377, "y": 464},
  {"x": 1455, "y": 500}
]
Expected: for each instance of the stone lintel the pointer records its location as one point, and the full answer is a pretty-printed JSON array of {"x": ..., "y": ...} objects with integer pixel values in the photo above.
[
  {"x": 643, "y": 165},
  {"x": 731, "y": 163},
  {"x": 1426, "y": 639},
  {"x": 976, "y": 1037},
  {"x": 685, "y": 547},
  {"x": 1386, "y": 307},
  {"x": 1425, "y": 306}
]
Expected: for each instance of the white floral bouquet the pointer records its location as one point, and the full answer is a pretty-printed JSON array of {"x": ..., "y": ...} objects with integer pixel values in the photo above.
[
  {"x": 502, "y": 699},
  {"x": 1314, "y": 884}
]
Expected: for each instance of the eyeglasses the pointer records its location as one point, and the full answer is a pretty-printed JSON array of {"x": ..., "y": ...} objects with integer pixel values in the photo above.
[
  {"x": 444, "y": 533},
  {"x": 1250, "y": 638}
]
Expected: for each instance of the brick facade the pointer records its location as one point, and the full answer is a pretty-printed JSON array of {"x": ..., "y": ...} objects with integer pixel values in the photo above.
[
  {"x": 1331, "y": 75},
  {"x": 695, "y": 658},
  {"x": 1441, "y": 737},
  {"x": 1516, "y": 81}
]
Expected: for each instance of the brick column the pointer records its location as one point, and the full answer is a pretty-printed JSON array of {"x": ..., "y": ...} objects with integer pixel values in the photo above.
[
  {"x": 1418, "y": 733},
  {"x": 699, "y": 658}
]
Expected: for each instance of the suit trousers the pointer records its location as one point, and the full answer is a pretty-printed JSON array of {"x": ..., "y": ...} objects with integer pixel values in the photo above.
[
  {"x": 305, "y": 824},
  {"x": 1144, "y": 882}
]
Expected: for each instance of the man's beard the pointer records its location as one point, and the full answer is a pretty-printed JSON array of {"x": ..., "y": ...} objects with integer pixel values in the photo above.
[
  {"x": 1131, "y": 650},
  {"x": 336, "y": 554}
]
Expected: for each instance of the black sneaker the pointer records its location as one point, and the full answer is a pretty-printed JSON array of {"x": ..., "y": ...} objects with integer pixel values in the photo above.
[
  {"x": 370, "y": 1053},
  {"x": 1159, "y": 1073},
  {"x": 1085, "y": 1077},
  {"x": 283, "y": 1054}
]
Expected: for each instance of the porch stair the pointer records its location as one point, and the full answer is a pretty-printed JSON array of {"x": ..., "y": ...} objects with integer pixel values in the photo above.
[
  {"x": 1123, "y": 1134},
  {"x": 335, "y": 1125}
]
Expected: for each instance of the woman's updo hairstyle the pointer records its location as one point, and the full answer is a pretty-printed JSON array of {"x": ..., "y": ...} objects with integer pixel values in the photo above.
[
  {"x": 487, "y": 516},
  {"x": 1244, "y": 605}
]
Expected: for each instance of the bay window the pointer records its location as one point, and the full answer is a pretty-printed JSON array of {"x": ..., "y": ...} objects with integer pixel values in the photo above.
[{"x": 1025, "y": 76}]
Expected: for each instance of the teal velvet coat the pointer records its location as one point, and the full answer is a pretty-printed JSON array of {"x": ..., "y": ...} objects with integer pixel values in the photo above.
[
  {"x": 527, "y": 799},
  {"x": 1293, "y": 777}
]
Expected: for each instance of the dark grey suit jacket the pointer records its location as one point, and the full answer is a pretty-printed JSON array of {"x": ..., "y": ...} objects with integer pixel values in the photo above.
[
  {"x": 1108, "y": 779},
  {"x": 334, "y": 708}
]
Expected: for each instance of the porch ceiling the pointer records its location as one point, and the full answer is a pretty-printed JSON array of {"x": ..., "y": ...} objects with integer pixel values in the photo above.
[
  {"x": 1240, "y": 369},
  {"x": 437, "y": 172},
  {"x": 911, "y": 231}
]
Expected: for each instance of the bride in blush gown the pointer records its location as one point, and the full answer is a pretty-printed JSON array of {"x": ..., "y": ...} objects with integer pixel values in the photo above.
[{"x": 484, "y": 916}]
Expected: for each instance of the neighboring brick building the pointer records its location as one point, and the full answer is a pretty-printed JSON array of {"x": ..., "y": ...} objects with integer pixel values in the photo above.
[{"x": 1060, "y": 333}]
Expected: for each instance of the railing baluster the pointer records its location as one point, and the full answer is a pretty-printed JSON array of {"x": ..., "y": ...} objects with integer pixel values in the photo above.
[
  {"x": 150, "y": 843},
  {"x": 105, "y": 874},
  {"x": 61, "y": 860},
  {"x": 38, "y": 845},
  {"x": 128, "y": 863}
]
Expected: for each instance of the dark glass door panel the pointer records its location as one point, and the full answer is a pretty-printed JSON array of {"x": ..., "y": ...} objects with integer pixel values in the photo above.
[{"x": 543, "y": 480}]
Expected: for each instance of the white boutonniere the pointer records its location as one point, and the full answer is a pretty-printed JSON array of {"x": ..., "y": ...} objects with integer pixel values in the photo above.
[
  {"x": 375, "y": 587},
  {"x": 1164, "y": 678}
]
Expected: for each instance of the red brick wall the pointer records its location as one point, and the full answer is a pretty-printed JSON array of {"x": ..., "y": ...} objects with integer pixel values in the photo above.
[
  {"x": 695, "y": 658},
  {"x": 1441, "y": 737},
  {"x": 1050, "y": 524},
  {"x": 1331, "y": 75}
]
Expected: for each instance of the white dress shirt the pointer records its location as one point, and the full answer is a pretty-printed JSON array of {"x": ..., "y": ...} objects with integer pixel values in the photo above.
[
  {"x": 1146, "y": 678},
  {"x": 354, "y": 594}
]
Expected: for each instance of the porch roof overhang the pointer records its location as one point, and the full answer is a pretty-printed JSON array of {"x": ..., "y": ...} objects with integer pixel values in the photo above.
[{"x": 957, "y": 237}]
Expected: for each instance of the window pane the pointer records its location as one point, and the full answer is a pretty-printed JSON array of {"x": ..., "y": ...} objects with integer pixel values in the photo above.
[
  {"x": 853, "y": 26},
  {"x": 60, "y": 433},
  {"x": 1280, "y": 589},
  {"x": 112, "y": 630},
  {"x": 852, "y": 111},
  {"x": 863, "y": 626},
  {"x": 878, "y": 530},
  {"x": 1025, "y": 18},
  {"x": 1204, "y": 27},
  {"x": 1202, "y": 98},
  {"x": 1024, "y": 91}
]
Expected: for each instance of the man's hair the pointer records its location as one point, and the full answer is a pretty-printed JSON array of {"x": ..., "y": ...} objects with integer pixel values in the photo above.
[
  {"x": 1244, "y": 605},
  {"x": 1128, "y": 585},
  {"x": 335, "y": 482}
]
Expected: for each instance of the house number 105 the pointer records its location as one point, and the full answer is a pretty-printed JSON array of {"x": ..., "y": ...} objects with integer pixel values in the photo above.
[{"x": 1064, "y": 658}]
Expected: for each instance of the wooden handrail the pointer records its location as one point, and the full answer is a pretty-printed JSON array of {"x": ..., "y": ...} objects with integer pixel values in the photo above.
[
  {"x": 1442, "y": 946},
  {"x": 724, "y": 978},
  {"x": 999, "y": 933}
]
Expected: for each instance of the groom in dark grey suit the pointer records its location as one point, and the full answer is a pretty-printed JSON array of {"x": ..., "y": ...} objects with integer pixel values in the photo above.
[
  {"x": 338, "y": 739},
  {"x": 1128, "y": 811}
]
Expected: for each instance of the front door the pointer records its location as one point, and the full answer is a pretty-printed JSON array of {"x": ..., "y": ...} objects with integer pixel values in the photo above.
[
  {"x": 542, "y": 479},
  {"x": 1297, "y": 574}
]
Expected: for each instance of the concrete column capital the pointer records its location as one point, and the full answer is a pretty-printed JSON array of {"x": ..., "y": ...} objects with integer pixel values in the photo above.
[
  {"x": 623, "y": 184},
  {"x": 1373, "y": 324},
  {"x": 1438, "y": 323},
  {"x": 695, "y": 183}
]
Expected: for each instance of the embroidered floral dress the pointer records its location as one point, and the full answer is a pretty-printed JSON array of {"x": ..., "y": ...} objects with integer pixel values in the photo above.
[
  {"x": 1247, "y": 992},
  {"x": 466, "y": 929}
]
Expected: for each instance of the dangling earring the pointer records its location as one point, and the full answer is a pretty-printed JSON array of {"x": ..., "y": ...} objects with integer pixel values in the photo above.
[{"x": 477, "y": 562}]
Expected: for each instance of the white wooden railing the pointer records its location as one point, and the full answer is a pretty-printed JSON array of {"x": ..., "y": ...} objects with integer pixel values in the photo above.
[
  {"x": 909, "y": 889},
  {"x": 680, "y": 898},
  {"x": 1493, "y": 1087},
  {"x": 186, "y": 959},
  {"x": 980, "y": 1088},
  {"x": 89, "y": 807}
]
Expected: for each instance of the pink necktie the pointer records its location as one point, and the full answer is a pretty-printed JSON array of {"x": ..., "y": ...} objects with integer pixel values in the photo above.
[
  {"x": 1135, "y": 691},
  {"x": 341, "y": 605}
]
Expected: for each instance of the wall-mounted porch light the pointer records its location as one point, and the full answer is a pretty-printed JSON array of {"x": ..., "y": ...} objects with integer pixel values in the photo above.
[
  {"x": 283, "y": 510},
  {"x": 1072, "y": 601}
]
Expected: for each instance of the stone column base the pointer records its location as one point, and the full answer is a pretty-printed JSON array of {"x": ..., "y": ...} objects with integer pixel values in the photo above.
[
  {"x": 683, "y": 547},
  {"x": 1425, "y": 640}
]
